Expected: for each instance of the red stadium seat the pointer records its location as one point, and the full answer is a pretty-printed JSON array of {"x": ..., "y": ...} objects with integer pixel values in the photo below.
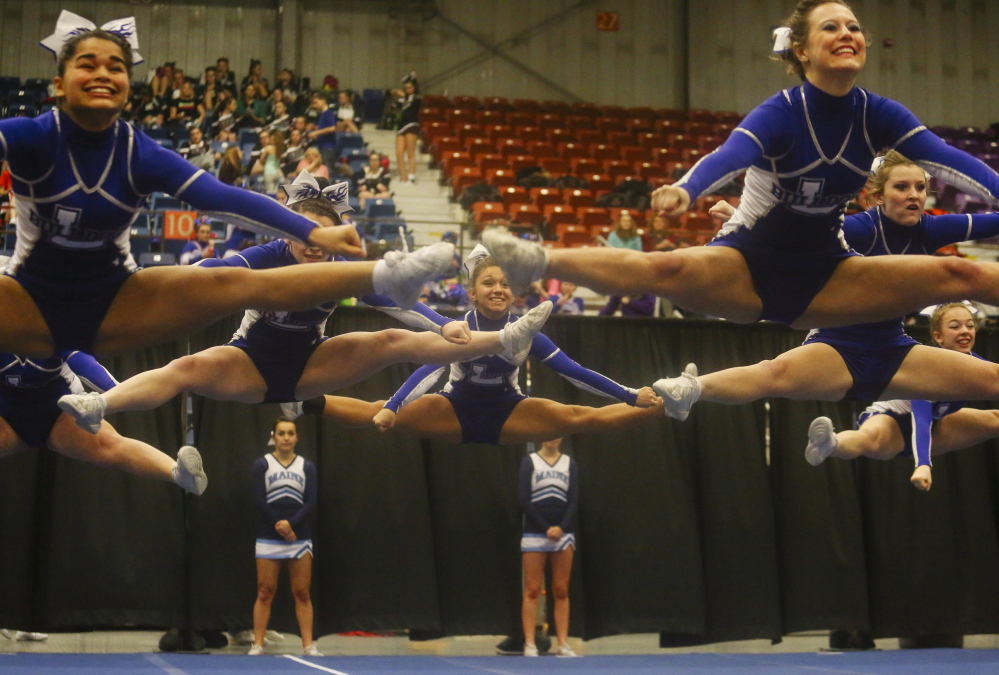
[
  {"x": 459, "y": 116},
  {"x": 487, "y": 117},
  {"x": 579, "y": 122},
  {"x": 559, "y": 214},
  {"x": 699, "y": 115},
  {"x": 443, "y": 145},
  {"x": 648, "y": 170},
  {"x": 436, "y": 101},
  {"x": 618, "y": 169},
  {"x": 613, "y": 111},
  {"x": 542, "y": 196},
  {"x": 602, "y": 151},
  {"x": 432, "y": 115},
  {"x": 583, "y": 108},
  {"x": 668, "y": 126},
  {"x": 558, "y": 136},
  {"x": 681, "y": 141},
  {"x": 480, "y": 146},
  {"x": 609, "y": 123},
  {"x": 518, "y": 162},
  {"x": 635, "y": 154},
  {"x": 585, "y": 165},
  {"x": 511, "y": 146},
  {"x": 692, "y": 154},
  {"x": 496, "y": 103},
  {"x": 578, "y": 198},
  {"x": 542, "y": 149},
  {"x": 526, "y": 105},
  {"x": 520, "y": 119},
  {"x": 590, "y": 136},
  {"x": 697, "y": 221},
  {"x": 525, "y": 214},
  {"x": 454, "y": 160},
  {"x": 672, "y": 114},
  {"x": 560, "y": 107},
  {"x": 664, "y": 155},
  {"x": 491, "y": 161},
  {"x": 495, "y": 131},
  {"x": 620, "y": 138},
  {"x": 650, "y": 140},
  {"x": 468, "y": 102},
  {"x": 550, "y": 120},
  {"x": 722, "y": 129},
  {"x": 501, "y": 178},
  {"x": 642, "y": 111},
  {"x": 599, "y": 182},
  {"x": 593, "y": 215},
  {"x": 529, "y": 134},
  {"x": 709, "y": 143},
  {"x": 698, "y": 128},
  {"x": 556, "y": 166},
  {"x": 514, "y": 194},
  {"x": 640, "y": 124},
  {"x": 571, "y": 151},
  {"x": 485, "y": 212},
  {"x": 463, "y": 177},
  {"x": 573, "y": 235}
]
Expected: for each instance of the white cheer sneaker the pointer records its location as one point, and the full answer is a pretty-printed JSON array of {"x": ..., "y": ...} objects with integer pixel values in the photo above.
[
  {"x": 188, "y": 471},
  {"x": 517, "y": 337},
  {"x": 679, "y": 393},
  {"x": 401, "y": 276},
  {"x": 822, "y": 441},
  {"x": 86, "y": 409},
  {"x": 521, "y": 261}
]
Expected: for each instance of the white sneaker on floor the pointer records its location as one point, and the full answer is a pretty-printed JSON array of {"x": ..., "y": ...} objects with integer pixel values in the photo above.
[
  {"x": 86, "y": 409},
  {"x": 564, "y": 650},
  {"x": 517, "y": 337},
  {"x": 292, "y": 411},
  {"x": 401, "y": 276},
  {"x": 679, "y": 393},
  {"x": 530, "y": 650},
  {"x": 25, "y": 636},
  {"x": 822, "y": 440},
  {"x": 311, "y": 650},
  {"x": 412, "y": 178},
  {"x": 521, "y": 261},
  {"x": 188, "y": 472},
  {"x": 255, "y": 650}
]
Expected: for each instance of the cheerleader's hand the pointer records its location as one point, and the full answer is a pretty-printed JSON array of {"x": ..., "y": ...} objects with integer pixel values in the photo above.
[
  {"x": 922, "y": 478},
  {"x": 554, "y": 533},
  {"x": 670, "y": 200},
  {"x": 721, "y": 212},
  {"x": 384, "y": 419},
  {"x": 339, "y": 239},
  {"x": 647, "y": 398},
  {"x": 456, "y": 332}
]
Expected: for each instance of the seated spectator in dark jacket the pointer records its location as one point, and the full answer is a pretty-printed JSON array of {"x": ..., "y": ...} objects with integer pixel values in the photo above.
[
  {"x": 565, "y": 300},
  {"x": 634, "y": 305}
]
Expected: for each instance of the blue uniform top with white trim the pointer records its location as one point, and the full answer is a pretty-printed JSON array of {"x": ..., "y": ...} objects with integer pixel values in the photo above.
[
  {"x": 548, "y": 493},
  {"x": 488, "y": 376},
  {"x": 78, "y": 193},
  {"x": 807, "y": 154},
  {"x": 284, "y": 493},
  {"x": 872, "y": 233}
]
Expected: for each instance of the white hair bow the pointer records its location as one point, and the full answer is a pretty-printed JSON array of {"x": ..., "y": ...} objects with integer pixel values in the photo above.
[
  {"x": 70, "y": 25},
  {"x": 306, "y": 187},
  {"x": 473, "y": 258},
  {"x": 876, "y": 164},
  {"x": 782, "y": 40}
]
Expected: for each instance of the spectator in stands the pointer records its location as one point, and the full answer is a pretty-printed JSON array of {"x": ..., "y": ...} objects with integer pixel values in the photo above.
[
  {"x": 279, "y": 119},
  {"x": 226, "y": 118},
  {"x": 293, "y": 153},
  {"x": 625, "y": 234},
  {"x": 634, "y": 305},
  {"x": 225, "y": 77},
  {"x": 374, "y": 182},
  {"x": 658, "y": 237},
  {"x": 185, "y": 112},
  {"x": 209, "y": 93},
  {"x": 566, "y": 301},
  {"x": 198, "y": 151},
  {"x": 162, "y": 80},
  {"x": 268, "y": 164},
  {"x": 345, "y": 118},
  {"x": 251, "y": 111},
  {"x": 255, "y": 77},
  {"x": 312, "y": 162},
  {"x": 286, "y": 83},
  {"x": 300, "y": 124},
  {"x": 323, "y": 136},
  {"x": 175, "y": 85},
  {"x": 409, "y": 101},
  {"x": 231, "y": 167},
  {"x": 149, "y": 113},
  {"x": 202, "y": 246}
]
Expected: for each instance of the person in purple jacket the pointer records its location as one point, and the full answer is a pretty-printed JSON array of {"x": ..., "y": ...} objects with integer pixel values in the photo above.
[
  {"x": 806, "y": 153},
  {"x": 82, "y": 176},
  {"x": 284, "y": 356},
  {"x": 482, "y": 401}
]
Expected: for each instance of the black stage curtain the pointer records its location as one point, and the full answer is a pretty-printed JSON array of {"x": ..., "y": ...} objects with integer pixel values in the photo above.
[{"x": 686, "y": 529}]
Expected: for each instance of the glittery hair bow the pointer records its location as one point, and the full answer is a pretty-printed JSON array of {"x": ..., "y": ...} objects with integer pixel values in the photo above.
[
  {"x": 70, "y": 25},
  {"x": 782, "y": 40},
  {"x": 306, "y": 187},
  {"x": 474, "y": 257}
]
